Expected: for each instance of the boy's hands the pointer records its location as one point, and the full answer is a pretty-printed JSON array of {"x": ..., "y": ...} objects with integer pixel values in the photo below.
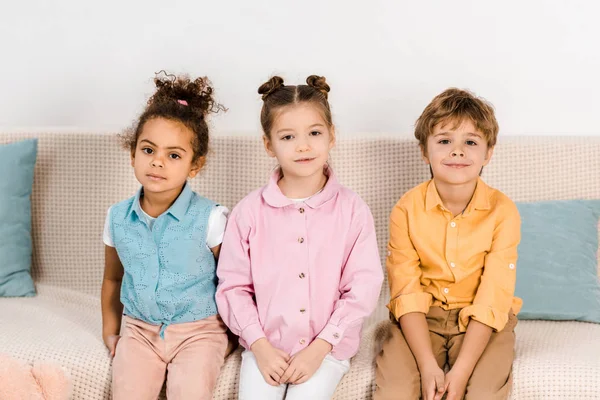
[
  {"x": 456, "y": 383},
  {"x": 306, "y": 362},
  {"x": 432, "y": 382},
  {"x": 272, "y": 362},
  {"x": 435, "y": 384},
  {"x": 111, "y": 343}
]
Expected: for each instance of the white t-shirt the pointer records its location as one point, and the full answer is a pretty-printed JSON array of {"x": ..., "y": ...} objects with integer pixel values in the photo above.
[
  {"x": 304, "y": 199},
  {"x": 214, "y": 231}
]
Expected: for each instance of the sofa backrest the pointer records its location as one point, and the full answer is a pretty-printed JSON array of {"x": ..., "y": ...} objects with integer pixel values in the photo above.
[{"x": 78, "y": 176}]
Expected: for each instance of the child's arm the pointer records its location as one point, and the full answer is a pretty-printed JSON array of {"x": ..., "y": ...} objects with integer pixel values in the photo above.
[
  {"x": 404, "y": 269},
  {"x": 216, "y": 250},
  {"x": 235, "y": 299},
  {"x": 235, "y": 292},
  {"x": 361, "y": 280},
  {"x": 494, "y": 298},
  {"x": 112, "y": 309},
  {"x": 410, "y": 303},
  {"x": 416, "y": 332}
]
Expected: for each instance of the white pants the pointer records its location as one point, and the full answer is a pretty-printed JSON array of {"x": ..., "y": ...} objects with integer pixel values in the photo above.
[{"x": 320, "y": 386}]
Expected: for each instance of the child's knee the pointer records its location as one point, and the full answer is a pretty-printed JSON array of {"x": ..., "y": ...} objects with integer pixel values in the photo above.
[
  {"x": 492, "y": 389},
  {"x": 397, "y": 375}
]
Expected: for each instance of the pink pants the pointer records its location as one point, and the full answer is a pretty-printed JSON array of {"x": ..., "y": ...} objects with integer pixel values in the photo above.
[{"x": 191, "y": 355}]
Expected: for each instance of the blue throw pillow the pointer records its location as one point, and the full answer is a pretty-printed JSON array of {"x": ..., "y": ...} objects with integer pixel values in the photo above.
[
  {"x": 557, "y": 274},
  {"x": 17, "y": 161}
]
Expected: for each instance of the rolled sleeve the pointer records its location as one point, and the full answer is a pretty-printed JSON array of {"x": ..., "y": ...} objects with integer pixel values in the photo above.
[
  {"x": 409, "y": 303},
  {"x": 495, "y": 294},
  {"x": 404, "y": 269}
]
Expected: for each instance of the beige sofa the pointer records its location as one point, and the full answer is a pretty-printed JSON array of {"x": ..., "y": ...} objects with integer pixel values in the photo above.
[{"x": 79, "y": 175}]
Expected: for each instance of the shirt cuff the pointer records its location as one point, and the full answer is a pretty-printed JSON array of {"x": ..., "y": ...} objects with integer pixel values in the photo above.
[
  {"x": 408, "y": 303},
  {"x": 489, "y": 316},
  {"x": 251, "y": 334},
  {"x": 332, "y": 334}
]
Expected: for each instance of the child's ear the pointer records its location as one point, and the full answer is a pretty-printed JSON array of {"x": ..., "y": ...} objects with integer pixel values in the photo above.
[
  {"x": 424, "y": 154},
  {"x": 488, "y": 155},
  {"x": 268, "y": 146},
  {"x": 197, "y": 166},
  {"x": 132, "y": 154}
]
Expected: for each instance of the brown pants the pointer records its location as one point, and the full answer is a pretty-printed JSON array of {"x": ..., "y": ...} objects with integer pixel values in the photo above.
[{"x": 398, "y": 376}]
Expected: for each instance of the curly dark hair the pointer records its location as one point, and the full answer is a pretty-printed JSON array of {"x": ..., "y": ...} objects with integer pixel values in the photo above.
[
  {"x": 275, "y": 95},
  {"x": 178, "y": 98}
]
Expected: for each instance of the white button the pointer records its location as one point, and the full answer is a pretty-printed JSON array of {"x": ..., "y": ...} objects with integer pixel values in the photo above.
[
  {"x": 452, "y": 265},
  {"x": 446, "y": 290},
  {"x": 511, "y": 266},
  {"x": 389, "y": 253},
  {"x": 453, "y": 224}
]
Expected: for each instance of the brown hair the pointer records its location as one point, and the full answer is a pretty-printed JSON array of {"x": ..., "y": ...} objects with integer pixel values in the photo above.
[
  {"x": 454, "y": 106},
  {"x": 178, "y": 98},
  {"x": 276, "y": 95}
]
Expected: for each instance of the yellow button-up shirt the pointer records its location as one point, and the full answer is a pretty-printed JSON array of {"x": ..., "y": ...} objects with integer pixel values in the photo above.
[{"x": 467, "y": 261}]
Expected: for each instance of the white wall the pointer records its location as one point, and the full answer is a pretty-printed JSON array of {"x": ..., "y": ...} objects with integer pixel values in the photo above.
[{"x": 73, "y": 64}]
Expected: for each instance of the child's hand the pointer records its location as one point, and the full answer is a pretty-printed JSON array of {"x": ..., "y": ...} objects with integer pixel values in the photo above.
[
  {"x": 272, "y": 362},
  {"x": 456, "y": 383},
  {"x": 432, "y": 382},
  {"x": 306, "y": 362},
  {"x": 111, "y": 343}
]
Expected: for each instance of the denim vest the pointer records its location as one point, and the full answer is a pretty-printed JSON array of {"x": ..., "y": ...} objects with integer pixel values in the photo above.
[{"x": 170, "y": 273}]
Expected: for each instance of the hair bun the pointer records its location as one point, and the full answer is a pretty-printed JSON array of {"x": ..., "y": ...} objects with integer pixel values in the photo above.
[
  {"x": 270, "y": 86},
  {"x": 319, "y": 83},
  {"x": 196, "y": 94}
]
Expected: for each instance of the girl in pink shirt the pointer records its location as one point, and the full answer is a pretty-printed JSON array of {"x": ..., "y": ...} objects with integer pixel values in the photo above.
[{"x": 299, "y": 268}]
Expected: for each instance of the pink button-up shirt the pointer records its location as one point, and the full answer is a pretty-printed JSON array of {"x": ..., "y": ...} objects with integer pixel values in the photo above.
[{"x": 292, "y": 272}]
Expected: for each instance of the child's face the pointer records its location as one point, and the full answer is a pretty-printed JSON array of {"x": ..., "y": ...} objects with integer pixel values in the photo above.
[
  {"x": 162, "y": 160},
  {"x": 456, "y": 153},
  {"x": 300, "y": 140}
]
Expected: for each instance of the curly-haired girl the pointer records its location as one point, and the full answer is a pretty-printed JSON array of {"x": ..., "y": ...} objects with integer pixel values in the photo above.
[{"x": 161, "y": 250}]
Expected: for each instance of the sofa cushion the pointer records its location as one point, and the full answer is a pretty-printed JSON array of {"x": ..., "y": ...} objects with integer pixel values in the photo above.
[
  {"x": 556, "y": 360},
  {"x": 63, "y": 327},
  {"x": 557, "y": 269},
  {"x": 17, "y": 162}
]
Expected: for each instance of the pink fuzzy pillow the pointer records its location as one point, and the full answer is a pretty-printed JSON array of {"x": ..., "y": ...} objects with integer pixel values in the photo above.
[{"x": 43, "y": 381}]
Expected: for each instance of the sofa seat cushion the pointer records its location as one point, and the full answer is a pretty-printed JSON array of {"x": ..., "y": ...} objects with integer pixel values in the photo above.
[
  {"x": 63, "y": 327},
  {"x": 553, "y": 359},
  {"x": 557, "y": 360}
]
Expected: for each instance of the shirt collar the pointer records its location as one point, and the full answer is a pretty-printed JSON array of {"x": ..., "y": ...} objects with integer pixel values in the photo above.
[
  {"x": 177, "y": 209},
  {"x": 275, "y": 198},
  {"x": 479, "y": 201}
]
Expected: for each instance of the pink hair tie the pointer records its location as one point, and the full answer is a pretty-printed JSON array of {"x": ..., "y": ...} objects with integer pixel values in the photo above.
[{"x": 182, "y": 102}]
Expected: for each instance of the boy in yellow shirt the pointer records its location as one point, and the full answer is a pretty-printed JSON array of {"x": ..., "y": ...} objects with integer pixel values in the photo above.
[{"x": 452, "y": 266}]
